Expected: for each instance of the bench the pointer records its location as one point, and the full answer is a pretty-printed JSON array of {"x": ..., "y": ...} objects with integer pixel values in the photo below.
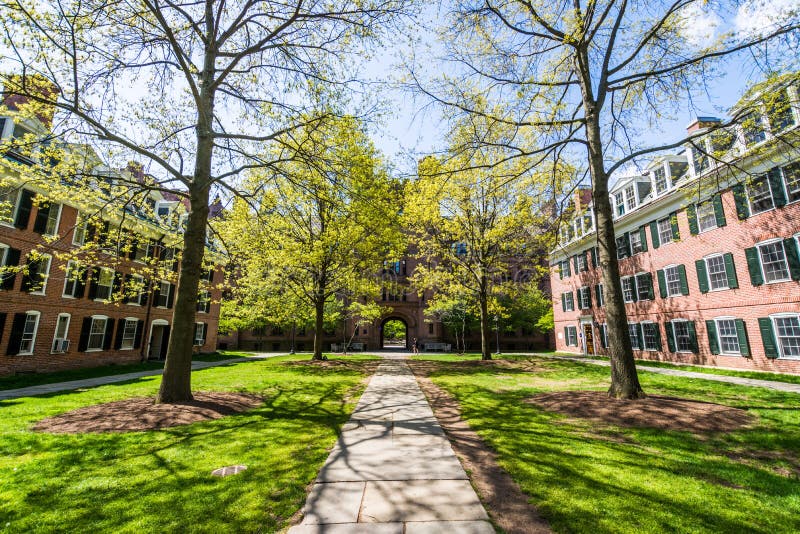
[
  {"x": 443, "y": 347},
  {"x": 339, "y": 347}
]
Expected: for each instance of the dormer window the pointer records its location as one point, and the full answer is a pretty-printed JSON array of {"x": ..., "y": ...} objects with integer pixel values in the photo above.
[
  {"x": 752, "y": 129},
  {"x": 619, "y": 204},
  {"x": 779, "y": 112},
  {"x": 660, "y": 178},
  {"x": 630, "y": 198},
  {"x": 700, "y": 160}
]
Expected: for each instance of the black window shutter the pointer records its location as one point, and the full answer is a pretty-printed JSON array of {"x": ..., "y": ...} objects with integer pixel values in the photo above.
[
  {"x": 17, "y": 327},
  {"x": 30, "y": 281},
  {"x": 145, "y": 292},
  {"x": 563, "y": 302},
  {"x": 598, "y": 290},
  {"x": 2, "y": 324},
  {"x": 109, "y": 334},
  {"x": 684, "y": 281},
  {"x": 654, "y": 234},
  {"x": 83, "y": 340},
  {"x": 603, "y": 340},
  {"x": 171, "y": 296},
  {"x": 126, "y": 288},
  {"x": 768, "y": 337},
  {"x": 662, "y": 283},
  {"x": 575, "y": 263},
  {"x": 792, "y": 257},
  {"x": 670, "y": 336},
  {"x": 566, "y": 335},
  {"x": 657, "y": 334},
  {"x": 730, "y": 270},
  {"x": 207, "y": 303},
  {"x": 585, "y": 255},
  {"x": 741, "y": 333},
  {"x": 12, "y": 260},
  {"x": 673, "y": 219},
  {"x": 593, "y": 253},
  {"x": 24, "y": 210},
  {"x": 137, "y": 340},
  {"x": 586, "y": 291},
  {"x": 165, "y": 342},
  {"x": 754, "y": 266},
  {"x": 776, "y": 185},
  {"x": 120, "y": 331},
  {"x": 626, "y": 240},
  {"x": 719, "y": 211},
  {"x": 640, "y": 335},
  {"x": 134, "y": 246},
  {"x": 174, "y": 260},
  {"x": 80, "y": 284},
  {"x": 691, "y": 214},
  {"x": 94, "y": 276},
  {"x": 692, "y": 337},
  {"x": 713, "y": 342},
  {"x": 42, "y": 214},
  {"x": 643, "y": 237},
  {"x": 742, "y": 206},
  {"x": 116, "y": 284},
  {"x": 702, "y": 275}
]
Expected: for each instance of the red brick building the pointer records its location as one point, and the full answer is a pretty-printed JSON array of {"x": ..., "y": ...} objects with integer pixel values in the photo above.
[
  {"x": 708, "y": 251},
  {"x": 58, "y": 312}
]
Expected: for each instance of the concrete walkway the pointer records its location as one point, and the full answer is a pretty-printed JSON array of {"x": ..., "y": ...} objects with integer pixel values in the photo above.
[
  {"x": 393, "y": 470},
  {"x": 738, "y": 380},
  {"x": 55, "y": 387}
]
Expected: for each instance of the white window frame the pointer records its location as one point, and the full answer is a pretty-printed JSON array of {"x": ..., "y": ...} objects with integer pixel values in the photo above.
[
  {"x": 585, "y": 290},
  {"x": 706, "y": 260},
  {"x": 672, "y": 323},
  {"x": 204, "y": 295},
  {"x": 785, "y": 182},
  {"x": 638, "y": 286},
  {"x": 638, "y": 237},
  {"x": 571, "y": 328},
  {"x": 630, "y": 198},
  {"x": 602, "y": 297},
  {"x": 722, "y": 351},
  {"x": 663, "y": 170},
  {"x": 644, "y": 335},
  {"x": 138, "y": 299},
  {"x": 198, "y": 342},
  {"x": 45, "y": 274},
  {"x": 661, "y": 233},
  {"x": 634, "y": 338},
  {"x": 634, "y": 293},
  {"x": 710, "y": 204},
  {"x": 748, "y": 186},
  {"x": 110, "y": 286},
  {"x": 55, "y": 332},
  {"x": 32, "y": 340},
  {"x": 79, "y": 229},
  {"x": 778, "y": 344},
  {"x": 569, "y": 304},
  {"x": 619, "y": 201},
  {"x": 667, "y": 280},
  {"x": 14, "y": 207},
  {"x": 57, "y": 221},
  {"x": 582, "y": 265},
  {"x": 103, "y": 318},
  {"x": 70, "y": 264},
  {"x": 127, "y": 321},
  {"x": 778, "y": 241},
  {"x": 162, "y": 294}
]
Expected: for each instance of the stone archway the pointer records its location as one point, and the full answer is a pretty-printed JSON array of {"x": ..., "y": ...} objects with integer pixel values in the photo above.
[{"x": 389, "y": 337}]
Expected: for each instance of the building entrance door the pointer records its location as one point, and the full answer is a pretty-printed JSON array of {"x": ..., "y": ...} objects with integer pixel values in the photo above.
[
  {"x": 588, "y": 338},
  {"x": 159, "y": 340}
]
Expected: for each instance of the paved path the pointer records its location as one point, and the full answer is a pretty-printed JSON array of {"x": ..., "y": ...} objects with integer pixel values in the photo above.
[
  {"x": 55, "y": 387},
  {"x": 393, "y": 470},
  {"x": 739, "y": 380}
]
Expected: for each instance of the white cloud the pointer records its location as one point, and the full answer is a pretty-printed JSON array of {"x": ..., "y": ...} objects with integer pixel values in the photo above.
[
  {"x": 758, "y": 16},
  {"x": 699, "y": 25}
]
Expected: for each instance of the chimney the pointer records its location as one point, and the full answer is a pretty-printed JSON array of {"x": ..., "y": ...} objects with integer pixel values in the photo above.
[
  {"x": 17, "y": 92},
  {"x": 701, "y": 123},
  {"x": 582, "y": 198}
]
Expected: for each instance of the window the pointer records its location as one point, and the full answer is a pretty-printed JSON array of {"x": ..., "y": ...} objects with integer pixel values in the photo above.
[
  {"x": 628, "y": 289},
  {"x": 571, "y": 336},
  {"x": 706, "y": 216},
  {"x": 50, "y": 215},
  {"x": 9, "y": 195},
  {"x": 138, "y": 285},
  {"x": 760, "y": 195},
  {"x": 199, "y": 334},
  {"x": 683, "y": 336},
  {"x": 128, "y": 334},
  {"x": 9, "y": 257},
  {"x": 163, "y": 294},
  {"x": 567, "y": 301},
  {"x": 644, "y": 286},
  {"x": 665, "y": 230},
  {"x": 773, "y": 262},
  {"x": 791, "y": 180},
  {"x": 633, "y": 333},
  {"x": 105, "y": 284},
  {"x": 79, "y": 232},
  {"x": 636, "y": 242},
  {"x": 660, "y": 176},
  {"x": 29, "y": 333},
  {"x": 204, "y": 302},
  {"x": 673, "y": 279},
  {"x": 60, "y": 342},
  {"x": 787, "y": 329},
  {"x": 677, "y": 170},
  {"x": 651, "y": 336},
  {"x": 630, "y": 198},
  {"x": 97, "y": 333},
  {"x": 580, "y": 262},
  {"x": 700, "y": 159},
  {"x": 619, "y": 203},
  {"x": 38, "y": 271},
  {"x": 74, "y": 280},
  {"x": 752, "y": 129},
  {"x": 728, "y": 337},
  {"x": 717, "y": 273},
  {"x": 585, "y": 298},
  {"x": 779, "y": 112},
  {"x": 603, "y": 335}
]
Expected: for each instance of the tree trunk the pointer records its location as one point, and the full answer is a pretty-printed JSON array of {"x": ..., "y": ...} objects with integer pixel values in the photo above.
[
  {"x": 624, "y": 378},
  {"x": 486, "y": 352},
  {"x": 319, "y": 316}
]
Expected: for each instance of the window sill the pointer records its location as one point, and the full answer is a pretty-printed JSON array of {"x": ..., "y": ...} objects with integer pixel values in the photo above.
[
  {"x": 778, "y": 281},
  {"x": 71, "y": 297},
  {"x": 718, "y": 289},
  {"x": 731, "y": 354},
  {"x": 37, "y": 293},
  {"x": 701, "y": 231},
  {"x": 93, "y": 350},
  {"x": 31, "y": 354},
  {"x": 754, "y": 213}
]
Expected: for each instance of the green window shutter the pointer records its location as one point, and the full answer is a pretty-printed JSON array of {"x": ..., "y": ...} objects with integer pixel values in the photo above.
[
  {"x": 585, "y": 254},
  {"x": 654, "y": 234},
  {"x": 768, "y": 337},
  {"x": 626, "y": 245},
  {"x": 598, "y": 293},
  {"x": 713, "y": 342},
  {"x": 643, "y": 238},
  {"x": 692, "y": 337},
  {"x": 635, "y": 289},
  {"x": 670, "y": 336},
  {"x": 702, "y": 275},
  {"x": 740, "y": 196},
  {"x": 657, "y": 334},
  {"x": 575, "y": 263},
  {"x": 640, "y": 335},
  {"x": 730, "y": 270},
  {"x": 684, "y": 281},
  {"x": 662, "y": 283},
  {"x": 563, "y": 302},
  {"x": 593, "y": 252},
  {"x": 566, "y": 335},
  {"x": 673, "y": 219},
  {"x": 567, "y": 270},
  {"x": 719, "y": 211},
  {"x": 754, "y": 266},
  {"x": 691, "y": 214},
  {"x": 741, "y": 333},
  {"x": 560, "y": 270},
  {"x": 776, "y": 185},
  {"x": 588, "y": 292},
  {"x": 792, "y": 257}
]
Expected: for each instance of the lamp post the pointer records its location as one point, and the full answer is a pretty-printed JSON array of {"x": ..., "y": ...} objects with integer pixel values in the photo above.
[
  {"x": 291, "y": 351},
  {"x": 497, "y": 331}
]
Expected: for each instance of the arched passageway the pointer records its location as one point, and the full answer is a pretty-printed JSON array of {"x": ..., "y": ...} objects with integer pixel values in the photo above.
[{"x": 394, "y": 334}]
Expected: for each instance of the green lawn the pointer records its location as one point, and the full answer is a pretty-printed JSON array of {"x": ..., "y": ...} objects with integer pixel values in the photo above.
[
  {"x": 590, "y": 477},
  {"x": 160, "y": 481}
]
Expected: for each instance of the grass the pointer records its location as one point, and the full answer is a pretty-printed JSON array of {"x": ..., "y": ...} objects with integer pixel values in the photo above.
[
  {"x": 590, "y": 477},
  {"x": 160, "y": 481}
]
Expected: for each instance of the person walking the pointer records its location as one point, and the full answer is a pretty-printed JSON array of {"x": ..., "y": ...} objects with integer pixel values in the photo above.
[{"x": 415, "y": 346}]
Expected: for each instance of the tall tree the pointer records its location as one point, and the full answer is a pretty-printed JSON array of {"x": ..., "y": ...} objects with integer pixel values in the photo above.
[
  {"x": 320, "y": 224},
  {"x": 475, "y": 211},
  {"x": 589, "y": 77},
  {"x": 196, "y": 89}
]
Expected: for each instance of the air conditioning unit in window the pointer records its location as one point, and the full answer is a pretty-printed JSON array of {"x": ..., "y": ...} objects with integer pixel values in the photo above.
[{"x": 60, "y": 345}]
